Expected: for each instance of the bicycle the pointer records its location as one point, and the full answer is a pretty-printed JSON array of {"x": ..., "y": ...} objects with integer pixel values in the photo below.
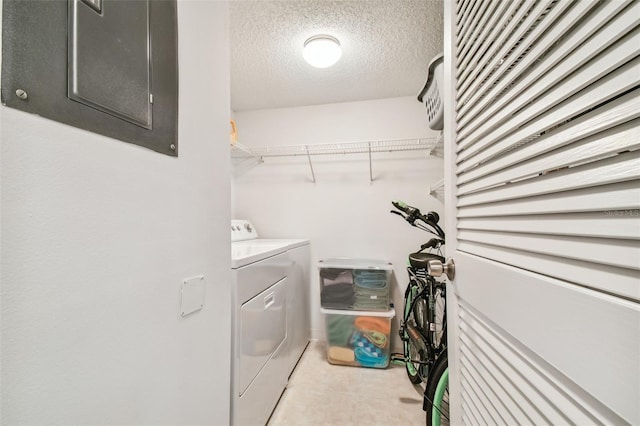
[{"x": 423, "y": 329}]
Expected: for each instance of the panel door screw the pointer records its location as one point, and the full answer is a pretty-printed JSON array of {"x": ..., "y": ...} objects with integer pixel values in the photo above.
[
  {"x": 173, "y": 147},
  {"x": 22, "y": 94}
]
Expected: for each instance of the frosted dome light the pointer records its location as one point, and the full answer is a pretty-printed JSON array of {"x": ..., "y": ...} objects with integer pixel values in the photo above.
[{"x": 322, "y": 51}]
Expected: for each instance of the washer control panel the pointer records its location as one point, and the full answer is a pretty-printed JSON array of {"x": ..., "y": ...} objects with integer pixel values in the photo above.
[{"x": 242, "y": 230}]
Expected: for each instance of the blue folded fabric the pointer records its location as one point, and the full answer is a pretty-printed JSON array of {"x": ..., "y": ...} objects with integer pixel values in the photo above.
[
  {"x": 363, "y": 276},
  {"x": 370, "y": 279},
  {"x": 367, "y": 354},
  {"x": 371, "y": 289},
  {"x": 371, "y": 283}
]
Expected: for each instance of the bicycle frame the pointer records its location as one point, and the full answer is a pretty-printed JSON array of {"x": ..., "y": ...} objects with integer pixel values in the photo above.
[
  {"x": 427, "y": 288},
  {"x": 423, "y": 337}
]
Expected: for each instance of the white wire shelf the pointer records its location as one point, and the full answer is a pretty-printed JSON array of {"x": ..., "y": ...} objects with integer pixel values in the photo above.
[
  {"x": 438, "y": 146},
  {"x": 342, "y": 148},
  {"x": 365, "y": 147},
  {"x": 437, "y": 187},
  {"x": 241, "y": 151}
]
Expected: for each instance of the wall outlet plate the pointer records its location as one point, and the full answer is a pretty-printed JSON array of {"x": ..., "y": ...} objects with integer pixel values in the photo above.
[{"x": 192, "y": 295}]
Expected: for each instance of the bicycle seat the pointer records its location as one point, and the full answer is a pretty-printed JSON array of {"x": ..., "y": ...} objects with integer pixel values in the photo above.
[{"x": 420, "y": 260}]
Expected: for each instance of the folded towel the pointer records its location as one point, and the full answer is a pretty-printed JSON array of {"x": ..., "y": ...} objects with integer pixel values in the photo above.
[
  {"x": 371, "y": 359},
  {"x": 369, "y": 274},
  {"x": 371, "y": 283},
  {"x": 334, "y": 275},
  {"x": 367, "y": 354},
  {"x": 338, "y": 296},
  {"x": 371, "y": 289},
  {"x": 339, "y": 329},
  {"x": 382, "y": 325},
  {"x": 370, "y": 301},
  {"x": 341, "y": 355},
  {"x": 377, "y": 338},
  {"x": 370, "y": 305}
]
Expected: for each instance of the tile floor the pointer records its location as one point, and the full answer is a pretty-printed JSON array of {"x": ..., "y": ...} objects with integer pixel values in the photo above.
[{"x": 323, "y": 394}]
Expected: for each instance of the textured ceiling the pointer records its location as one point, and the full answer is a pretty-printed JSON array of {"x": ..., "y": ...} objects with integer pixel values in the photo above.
[{"x": 386, "y": 48}]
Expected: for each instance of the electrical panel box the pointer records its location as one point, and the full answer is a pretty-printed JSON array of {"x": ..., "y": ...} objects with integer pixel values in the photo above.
[{"x": 107, "y": 66}]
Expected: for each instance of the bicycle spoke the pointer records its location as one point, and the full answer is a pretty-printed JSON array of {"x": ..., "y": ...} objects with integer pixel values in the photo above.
[{"x": 444, "y": 411}]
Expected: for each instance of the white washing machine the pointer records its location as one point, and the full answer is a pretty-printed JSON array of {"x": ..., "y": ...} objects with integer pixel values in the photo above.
[{"x": 270, "y": 319}]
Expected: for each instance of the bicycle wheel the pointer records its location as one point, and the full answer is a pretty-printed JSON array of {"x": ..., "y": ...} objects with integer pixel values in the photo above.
[
  {"x": 437, "y": 393},
  {"x": 413, "y": 355}
]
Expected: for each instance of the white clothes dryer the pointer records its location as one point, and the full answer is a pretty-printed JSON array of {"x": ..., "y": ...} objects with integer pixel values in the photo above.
[{"x": 270, "y": 280}]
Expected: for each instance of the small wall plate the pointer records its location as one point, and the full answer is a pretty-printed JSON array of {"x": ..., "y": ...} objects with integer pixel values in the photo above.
[{"x": 192, "y": 295}]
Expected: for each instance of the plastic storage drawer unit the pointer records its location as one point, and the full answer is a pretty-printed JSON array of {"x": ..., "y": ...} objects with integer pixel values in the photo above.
[
  {"x": 355, "y": 284},
  {"x": 360, "y": 339}
]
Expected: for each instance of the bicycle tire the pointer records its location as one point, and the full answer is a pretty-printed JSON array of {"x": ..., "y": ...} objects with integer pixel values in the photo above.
[
  {"x": 437, "y": 393},
  {"x": 415, "y": 371}
]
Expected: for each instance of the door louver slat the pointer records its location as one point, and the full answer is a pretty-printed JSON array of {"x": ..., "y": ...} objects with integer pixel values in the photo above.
[
  {"x": 469, "y": 14},
  {"x": 511, "y": 23},
  {"x": 578, "y": 91},
  {"x": 484, "y": 393},
  {"x": 620, "y": 253},
  {"x": 546, "y": 110},
  {"x": 479, "y": 417},
  {"x": 532, "y": 394},
  {"x": 611, "y": 199},
  {"x": 492, "y": 384},
  {"x": 601, "y": 145},
  {"x": 491, "y": 17},
  {"x": 472, "y": 22},
  {"x": 623, "y": 167},
  {"x": 621, "y": 110},
  {"x": 478, "y": 23},
  {"x": 582, "y": 224},
  {"x": 539, "y": 56},
  {"x": 570, "y": 54},
  {"x": 608, "y": 279},
  {"x": 463, "y": 7},
  {"x": 540, "y": 19},
  {"x": 485, "y": 46}
]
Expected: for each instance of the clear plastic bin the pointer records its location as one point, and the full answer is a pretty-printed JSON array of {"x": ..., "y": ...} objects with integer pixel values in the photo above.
[
  {"x": 355, "y": 284},
  {"x": 360, "y": 339}
]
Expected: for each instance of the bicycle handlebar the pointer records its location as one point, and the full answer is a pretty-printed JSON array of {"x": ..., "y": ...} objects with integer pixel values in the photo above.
[
  {"x": 404, "y": 207},
  {"x": 412, "y": 214}
]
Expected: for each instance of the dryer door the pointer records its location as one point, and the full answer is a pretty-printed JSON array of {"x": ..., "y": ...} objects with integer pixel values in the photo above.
[{"x": 263, "y": 328}]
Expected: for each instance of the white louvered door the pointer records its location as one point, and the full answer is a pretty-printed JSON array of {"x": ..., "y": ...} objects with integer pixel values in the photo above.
[{"x": 542, "y": 130}]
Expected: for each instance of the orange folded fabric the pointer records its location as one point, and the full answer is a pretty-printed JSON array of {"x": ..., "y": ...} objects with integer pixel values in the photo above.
[{"x": 383, "y": 325}]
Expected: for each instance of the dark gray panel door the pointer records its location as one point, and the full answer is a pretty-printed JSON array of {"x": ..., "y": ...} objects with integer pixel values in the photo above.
[{"x": 109, "y": 58}]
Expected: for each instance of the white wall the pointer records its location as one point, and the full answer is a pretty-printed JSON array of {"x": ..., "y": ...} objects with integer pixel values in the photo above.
[
  {"x": 97, "y": 236},
  {"x": 343, "y": 213}
]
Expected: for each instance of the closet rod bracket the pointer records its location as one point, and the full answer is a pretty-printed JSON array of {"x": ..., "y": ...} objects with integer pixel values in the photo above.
[{"x": 313, "y": 175}]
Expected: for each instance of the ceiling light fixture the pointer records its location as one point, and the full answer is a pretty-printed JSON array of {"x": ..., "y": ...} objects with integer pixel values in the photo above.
[{"x": 322, "y": 51}]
